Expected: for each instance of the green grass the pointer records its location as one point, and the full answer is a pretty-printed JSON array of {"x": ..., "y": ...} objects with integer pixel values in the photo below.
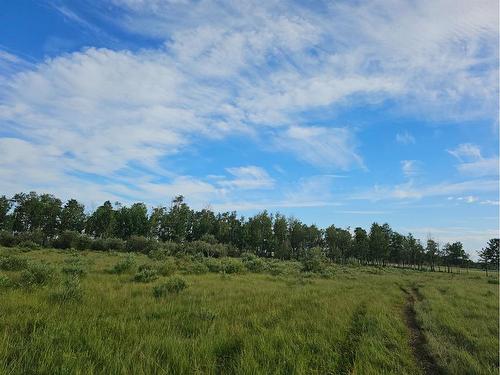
[{"x": 242, "y": 322}]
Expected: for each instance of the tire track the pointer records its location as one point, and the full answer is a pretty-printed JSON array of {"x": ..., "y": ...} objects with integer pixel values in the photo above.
[
  {"x": 351, "y": 342},
  {"x": 418, "y": 342}
]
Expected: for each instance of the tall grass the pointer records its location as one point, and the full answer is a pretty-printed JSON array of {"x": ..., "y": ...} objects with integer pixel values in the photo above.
[{"x": 242, "y": 322}]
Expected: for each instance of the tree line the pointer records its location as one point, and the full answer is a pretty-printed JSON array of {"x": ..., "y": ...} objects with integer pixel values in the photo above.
[{"x": 43, "y": 219}]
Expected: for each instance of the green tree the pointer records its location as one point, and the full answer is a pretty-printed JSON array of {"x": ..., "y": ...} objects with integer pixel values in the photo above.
[
  {"x": 36, "y": 212},
  {"x": 281, "y": 237},
  {"x": 490, "y": 255},
  {"x": 131, "y": 221},
  {"x": 5, "y": 206},
  {"x": 204, "y": 222},
  {"x": 260, "y": 234},
  {"x": 177, "y": 224},
  {"x": 101, "y": 222},
  {"x": 361, "y": 244},
  {"x": 379, "y": 242},
  {"x": 338, "y": 241},
  {"x": 156, "y": 219},
  {"x": 455, "y": 255},
  {"x": 432, "y": 253},
  {"x": 396, "y": 247},
  {"x": 73, "y": 216}
]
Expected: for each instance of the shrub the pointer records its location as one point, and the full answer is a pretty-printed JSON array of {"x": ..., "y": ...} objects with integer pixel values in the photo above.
[
  {"x": 314, "y": 260},
  {"x": 163, "y": 250},
  {"x": 5, "y": 282},
  {"x": 7, "y": 239},
  {"x": 253, "y": 263},
  {"x": 173, "y": 285},
  {"x": 66, "y": 240},
  {"x": 116, "y": 244},
  {"x": 70, "y": 291},
  {"x": 13, "y": 263},
  {"x": 209, "y": 238},
  {"x": 207, "y": 249},
  {"x": 83, "y": 242},
  {"x": 99, "y": 244},
  {"x": 213, "y": 265},
  {"x": 196, "y": 267},
  {"x": 124, "y": 265},
  {"x": 74, "y": 270},
  {"x": 35, "y": 236},
  {"x": 146, "y": 275},
  {"x": 280, "y": 268},
  {"x": 37, "y": 274},
  {"x": 29, "y": 245},
  {"x": 327, "y": 273},
  {"x": 231, "y": 265},
  {"x": 167, "y": 268},
  {"x": 141, "y": 244}
]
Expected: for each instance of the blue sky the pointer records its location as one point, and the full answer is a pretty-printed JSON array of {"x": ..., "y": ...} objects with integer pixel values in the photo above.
[{"x": 343, "y": 112}]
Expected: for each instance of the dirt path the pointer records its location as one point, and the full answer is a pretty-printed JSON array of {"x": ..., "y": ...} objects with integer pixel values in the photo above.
[{"x": 417, "y": 339}]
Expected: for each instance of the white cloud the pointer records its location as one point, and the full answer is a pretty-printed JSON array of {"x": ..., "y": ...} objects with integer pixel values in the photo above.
[
  {"x": 490, "y": 202},
  {"x": 228, "y": 68},
  {"x": 249, "y": 177},
  {"x": 472, "y": 163},
  {"x": 409, "y": 167},
  {"x": 410, "y": 190},
  {"x": 321, "y": 146},
  {"x": 466, "y": 151},
  {"x": 405, "y": 138}
]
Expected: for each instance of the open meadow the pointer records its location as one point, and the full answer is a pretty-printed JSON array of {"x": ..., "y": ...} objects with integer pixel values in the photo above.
[{"x": 115, "y": 313}]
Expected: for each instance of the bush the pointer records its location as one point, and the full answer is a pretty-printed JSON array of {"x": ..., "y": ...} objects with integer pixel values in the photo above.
[
  {"x": 29, "y": 245},
  {"x": 83, "y": 242},
  {"x": 70, "y": 291},
  {"x": 207, "y": 249},
  {"x": 196, "y": 267},
  {"x": 74, "y": 270},
  {"x": 231, "y": 265},
  {"x": 280, "y": 268},
  {"x": 213, "y": 265},
  {"x": 124, "y": 265},
  {"x": 99, "y": 244},
  {"x": 146, "y": 275},
  {"x": 5, "y": 282},
  {"x": 35, "y": 236},
  {"x": 7, "y": 239},
  {"x": 13, "y": 263},
  {"x": 116, "y": 244},
  {"x": 253, "y": 263},
  {"x": 167, "y": 268},
  {"x": 327, "y": 273},
  {"x": 141, "y": 244},
  {"x": 37, "y": 274},
  {"x": 66, "y": 240},
  {"x": 173, "y": 285},
  {"x": 314, "y": 260},
  {"x": 163, "y": 250}
]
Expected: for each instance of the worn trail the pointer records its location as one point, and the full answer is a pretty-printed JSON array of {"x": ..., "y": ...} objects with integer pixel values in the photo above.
[{"x": 418, "y": 342}]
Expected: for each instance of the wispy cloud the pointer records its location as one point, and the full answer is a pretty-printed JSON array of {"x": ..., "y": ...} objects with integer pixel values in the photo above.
[
  {"x": 405, "y": 138},
  {"x": 411, "y": 190},
  {"x": 248, "y": 178},
  {"x": 472, "y": 163},
  {"x": 409, "y": 167},
  {"x": 220, "y": 69},
  {"x": 321, "y": 146}
]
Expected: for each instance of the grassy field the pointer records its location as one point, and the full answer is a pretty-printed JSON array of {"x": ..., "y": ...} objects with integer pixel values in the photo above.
[{"x": 362, "y": 320}]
